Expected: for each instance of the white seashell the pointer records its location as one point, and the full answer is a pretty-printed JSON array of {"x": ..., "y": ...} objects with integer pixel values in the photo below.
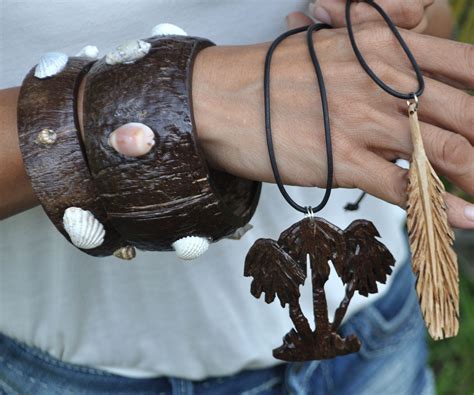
[
  {"x": 128, "y": 52},
  {"x": 239, "y": 233},
  {"x": 126, "y": 253},
  {"x": 50, "y": 64},
  {"x": 89, "y": 51},
  {"x": 190, "y": 247},
  {"x": 83, "y": 228},
  {"x": 167, "y": 29}
]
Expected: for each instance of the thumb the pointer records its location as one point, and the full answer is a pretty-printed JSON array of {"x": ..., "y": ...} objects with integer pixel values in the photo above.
[
  {"x": 407, "y": 14},
  {"x": 297, "y": 19}
]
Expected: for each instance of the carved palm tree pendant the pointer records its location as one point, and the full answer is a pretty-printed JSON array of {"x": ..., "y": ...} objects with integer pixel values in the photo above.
[{"x": 278, "y": 269}]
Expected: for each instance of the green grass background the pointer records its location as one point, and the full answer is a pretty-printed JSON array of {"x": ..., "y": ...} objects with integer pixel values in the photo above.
[{"x": 453, "y": 360}]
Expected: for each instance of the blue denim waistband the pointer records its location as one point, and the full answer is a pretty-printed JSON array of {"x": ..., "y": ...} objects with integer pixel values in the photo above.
[{"x": 35, "y": 367}]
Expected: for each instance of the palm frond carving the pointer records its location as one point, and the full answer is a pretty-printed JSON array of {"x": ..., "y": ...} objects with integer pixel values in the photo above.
[
  {"x": 278, "y": 269},
  {"x": 368, "y": 261},
  {"x": 274, "y": 272}
]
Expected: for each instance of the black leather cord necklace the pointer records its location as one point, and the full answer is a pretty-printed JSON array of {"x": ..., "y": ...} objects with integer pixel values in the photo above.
[
  {"x": 324, "y": 103},
  {"x": 407, "y": 96},
  {"x": 368, "y": 70}
]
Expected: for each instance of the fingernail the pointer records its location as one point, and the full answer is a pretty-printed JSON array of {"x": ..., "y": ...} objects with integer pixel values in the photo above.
[
  {"x": 322, "y": 15},
  {"x": 311, "y": 7},
  {"x": 469, "y": 212}
]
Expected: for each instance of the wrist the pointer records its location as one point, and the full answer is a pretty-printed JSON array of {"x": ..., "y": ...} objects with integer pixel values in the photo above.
[{"x": 227, "y": 104}]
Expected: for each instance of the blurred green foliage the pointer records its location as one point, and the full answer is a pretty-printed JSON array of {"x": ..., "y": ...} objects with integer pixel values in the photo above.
[
  {"x": 453, "y": 360},
  {"x": 464, "y": 13}
]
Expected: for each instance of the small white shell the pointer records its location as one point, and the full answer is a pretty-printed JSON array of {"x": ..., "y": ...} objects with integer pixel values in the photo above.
[
  {"x": 239, "y": 233},
  {"x": 50, "y": 64},
  {"x": 190, "y": 247},
  {"x": 85, "y": 231},
  {"x": 89, "y": 51},
  {"x": 128, "y": 52},
  {"x": 167, "y": 29}
]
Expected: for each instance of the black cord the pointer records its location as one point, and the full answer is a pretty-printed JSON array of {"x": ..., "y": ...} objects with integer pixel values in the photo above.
[
  {"x": 355, "y": 206},
  {"x": 324, "y": 102},
  {"x": 363, "y": 63}
]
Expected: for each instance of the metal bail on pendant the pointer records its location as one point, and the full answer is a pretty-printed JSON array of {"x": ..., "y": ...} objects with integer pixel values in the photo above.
[
  {"x": 416, "y": 102},
  {"x": 309, "y": 212}
]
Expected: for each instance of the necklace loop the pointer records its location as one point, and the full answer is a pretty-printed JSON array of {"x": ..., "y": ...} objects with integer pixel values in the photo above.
[
  {"x": 396, "y": 33},
  {"x": 324, "y": 102},
  {"x": 415, "y": 102},
  {"x": 309, "y": 212}
]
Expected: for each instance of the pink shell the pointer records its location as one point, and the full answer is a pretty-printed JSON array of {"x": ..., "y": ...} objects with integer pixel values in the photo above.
[{"x": 132, "y": 139}]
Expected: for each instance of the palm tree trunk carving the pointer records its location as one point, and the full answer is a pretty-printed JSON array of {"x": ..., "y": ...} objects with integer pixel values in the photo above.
[
  {"x": 300, "y": 321},
  {"x": 320, "y": 306},
  {"x": 342, "y": 309},
  {"x": 279, "y": 268}
]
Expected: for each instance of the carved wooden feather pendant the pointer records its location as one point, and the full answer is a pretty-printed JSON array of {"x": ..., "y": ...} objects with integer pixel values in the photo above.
[{"x": 431, "y": 242}]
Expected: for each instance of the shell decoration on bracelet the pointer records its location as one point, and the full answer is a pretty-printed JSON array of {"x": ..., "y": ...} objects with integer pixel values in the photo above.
[
  {"x": 85, "y": 231},
  {"x": 239, "y": 233},
  {"x": 190, "y": 247},
  {"x": 50, "y": 64},
  {"x": 132, "y": 139},
  {"x": 126, "y": 253},
  {"x": 89, "y": 51},
  {"x": 167, "y": 29},
  {"x": 128, "y": 52}
]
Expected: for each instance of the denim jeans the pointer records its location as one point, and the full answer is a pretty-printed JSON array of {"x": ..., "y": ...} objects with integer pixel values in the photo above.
[{"x": 392, "y": 361}]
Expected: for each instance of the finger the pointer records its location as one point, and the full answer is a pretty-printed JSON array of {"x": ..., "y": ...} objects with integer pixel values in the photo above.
[
  {"x": 421, "y": 27},
  {"x": 389, "y": 182},
  {"x": 460, "y": 213},
  {"x": 380, "y": 178},
  {"x": 451, "y": 155},
  {"x": 447, "y": 108},
  {"x": 297, "y": 19},
  {"x": 404, "y": 13},
  {"x": 444, "y": 60}
]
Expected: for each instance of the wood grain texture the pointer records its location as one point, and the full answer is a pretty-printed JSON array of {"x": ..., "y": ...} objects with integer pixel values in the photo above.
[
  {"x": 431, "y": 241},
  {"x": 168, "y": 193},
  {"x": 59, "y": 172}
]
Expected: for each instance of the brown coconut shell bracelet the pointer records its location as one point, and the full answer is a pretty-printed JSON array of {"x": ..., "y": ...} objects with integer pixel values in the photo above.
[
  {"x": 54, "y": 158},
  {"x": 169, "y": 195}
]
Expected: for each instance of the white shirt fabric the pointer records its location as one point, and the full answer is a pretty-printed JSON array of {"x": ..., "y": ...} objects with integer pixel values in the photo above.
[{"x": 156, "y": 315}]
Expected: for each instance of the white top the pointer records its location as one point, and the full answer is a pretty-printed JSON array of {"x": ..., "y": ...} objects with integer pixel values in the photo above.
[{"x": 157, "y": 315}]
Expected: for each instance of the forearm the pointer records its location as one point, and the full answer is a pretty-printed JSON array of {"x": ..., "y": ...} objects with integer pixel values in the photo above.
[
  {"x": 226, "y": 100},
  {"x": 16, "y": 193},
  {"x": 368, "y": 132},
  {"x": 215, "y": 109}
]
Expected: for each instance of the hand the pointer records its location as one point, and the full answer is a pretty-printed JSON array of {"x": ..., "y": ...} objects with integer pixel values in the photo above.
[
  {"x": 408, "y": 14},
  {"x": 369, "y": 127}
]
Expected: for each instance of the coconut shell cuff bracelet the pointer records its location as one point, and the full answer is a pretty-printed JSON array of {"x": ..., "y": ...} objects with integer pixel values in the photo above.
[
  {"x": 167, "y": 198},
  {"x": 53, "y": 156},
  {"x": 106, "y": 200}
]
